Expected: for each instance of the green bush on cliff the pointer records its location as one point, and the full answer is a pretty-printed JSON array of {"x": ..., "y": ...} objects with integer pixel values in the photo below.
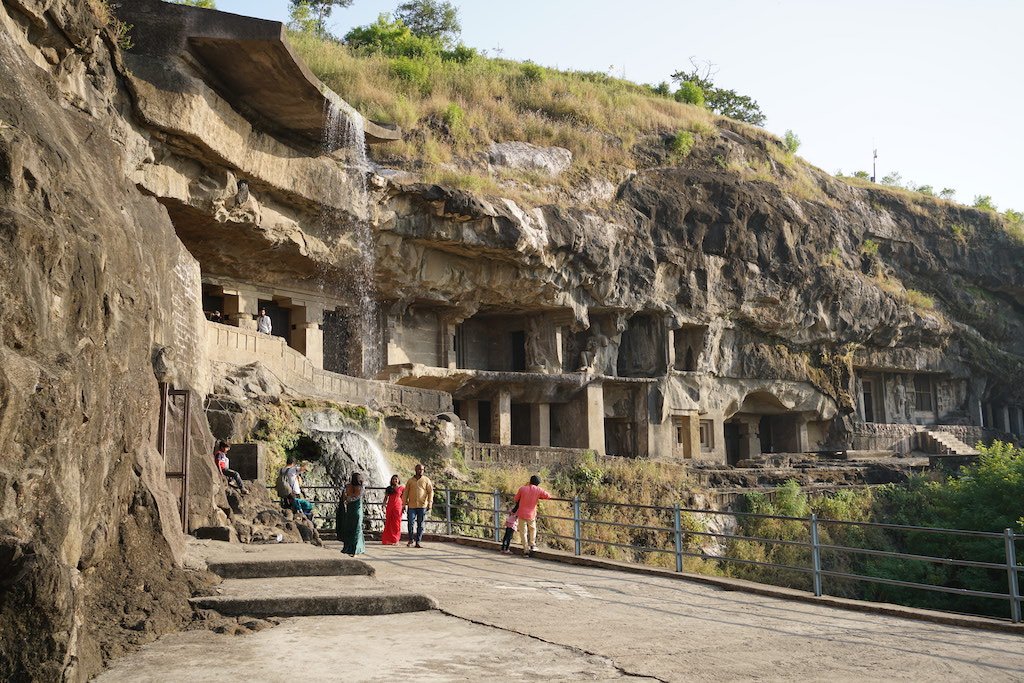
[
  {"x": 690, "y": 93},
  {"x": 682, "y": 144}
]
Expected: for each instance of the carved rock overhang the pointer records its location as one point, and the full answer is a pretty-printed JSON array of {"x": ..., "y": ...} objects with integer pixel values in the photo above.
[{"x": 248, "y": 61}]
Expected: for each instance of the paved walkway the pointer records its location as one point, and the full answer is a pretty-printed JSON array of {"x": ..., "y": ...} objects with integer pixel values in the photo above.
[
  {"x": 676, "y": 630},
  {"x": 517, "y": 618}
]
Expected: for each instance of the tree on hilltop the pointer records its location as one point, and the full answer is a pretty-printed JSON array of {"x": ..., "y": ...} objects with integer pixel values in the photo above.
[
  {"x": 720, "y": 100},
  {"x": 437, "y": 19},
  {"x": 205, "y": 4},
  {"x": 310, "y": 16}
]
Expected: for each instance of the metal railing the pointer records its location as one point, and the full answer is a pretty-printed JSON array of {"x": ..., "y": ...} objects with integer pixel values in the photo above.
[{"x": 480, "y": 514}]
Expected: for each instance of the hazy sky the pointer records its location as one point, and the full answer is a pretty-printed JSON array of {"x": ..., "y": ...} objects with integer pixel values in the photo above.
[{"x": 935, "y": 85}]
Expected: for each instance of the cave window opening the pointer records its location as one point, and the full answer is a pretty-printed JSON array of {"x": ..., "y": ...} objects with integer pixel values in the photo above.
[
  {"x": 707, "y": 435},
  {"x": 868, "y": 397},
  {"x": 213, "y": 303},
  {"x": 923, "y": 394}
]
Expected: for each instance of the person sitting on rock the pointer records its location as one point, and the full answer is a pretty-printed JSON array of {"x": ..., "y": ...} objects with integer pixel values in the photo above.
[
  {"x": 220, "y": 456},
  {"x": 300, "y": 504}
]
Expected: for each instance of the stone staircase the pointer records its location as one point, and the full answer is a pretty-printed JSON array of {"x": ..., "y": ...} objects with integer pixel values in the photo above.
[
  {"x": 943, "y": 443},
  {"x": 271, "y": 584}
]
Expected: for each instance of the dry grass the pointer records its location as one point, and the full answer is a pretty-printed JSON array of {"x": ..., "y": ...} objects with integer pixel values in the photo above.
[
  {"x": 452, "y": 112},
  {"x": 598, "y": 118}
]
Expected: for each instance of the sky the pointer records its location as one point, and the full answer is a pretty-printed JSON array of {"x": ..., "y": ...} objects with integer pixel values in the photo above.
[{"x": 933, "y": 85}]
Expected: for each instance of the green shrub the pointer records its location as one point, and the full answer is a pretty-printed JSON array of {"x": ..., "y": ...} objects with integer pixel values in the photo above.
[
  {"x": 862, "y": 175},
  {"x": 391, "y": 38},
  {"x": 455, "y": 119},
  {"x": 663, "y": 89},
  {"x": 414, "y": 72},
  {"x": 960, "y": 232},
  {"x": 920, "y": 300},
  {"x": 926, "y": 190},
  {"x": 791, "y": 142},
  {"x": 531, "y": 73},
  {"x": 869, "y": 248},
  {"x": 682, "y": 144},
  {"x": 690, "y": 93},
  {"x": 460, "y": 54},
  {"x": 984, "y": 202}
]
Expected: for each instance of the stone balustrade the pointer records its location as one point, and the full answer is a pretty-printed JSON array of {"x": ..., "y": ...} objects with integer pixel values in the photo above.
[
  {"x": 236, "y": 346},
  {"x": 535, "y": 457}
]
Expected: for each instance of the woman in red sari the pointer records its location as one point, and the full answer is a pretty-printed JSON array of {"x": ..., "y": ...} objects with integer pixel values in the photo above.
[{"x": 392, "y": 513}]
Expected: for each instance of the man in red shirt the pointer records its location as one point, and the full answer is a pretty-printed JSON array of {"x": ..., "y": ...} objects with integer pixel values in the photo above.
[{"x": 528, "y": 496}]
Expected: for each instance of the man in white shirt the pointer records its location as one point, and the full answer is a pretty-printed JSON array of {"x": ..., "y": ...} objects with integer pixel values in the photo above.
[{"x": 263, "y": 323}]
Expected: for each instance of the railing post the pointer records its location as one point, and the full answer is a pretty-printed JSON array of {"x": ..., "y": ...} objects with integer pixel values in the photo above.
[
  {"x": 1011, "y": 576},
  {"x": 448, "y": 511},
  {"x": 497, "y": 515},
  {"x": 678, "y": 522},
  {"x": 815, "y": 555},
  {"x": 577, "y": 532}
]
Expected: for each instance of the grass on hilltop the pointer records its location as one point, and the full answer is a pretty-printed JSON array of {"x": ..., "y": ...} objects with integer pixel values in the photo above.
[{"x": 451, "y": 109}]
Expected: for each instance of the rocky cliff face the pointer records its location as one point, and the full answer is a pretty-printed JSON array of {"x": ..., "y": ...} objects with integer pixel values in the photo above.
[
  {"x": 93, "y": 280},
  {"x": 102, "y": 172}
]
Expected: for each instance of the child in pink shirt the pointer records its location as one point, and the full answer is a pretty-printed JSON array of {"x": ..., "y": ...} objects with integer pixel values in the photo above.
[{"x": 511, "y": 522}]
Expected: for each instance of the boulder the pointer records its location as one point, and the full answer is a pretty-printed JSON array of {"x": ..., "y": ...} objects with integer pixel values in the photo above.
[{"x": 522, "y": 156}]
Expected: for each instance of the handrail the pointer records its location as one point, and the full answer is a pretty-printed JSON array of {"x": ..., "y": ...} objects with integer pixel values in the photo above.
[{"x": 487, "y": 518}]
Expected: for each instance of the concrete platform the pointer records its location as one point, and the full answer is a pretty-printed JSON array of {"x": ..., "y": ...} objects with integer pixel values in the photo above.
[
  {"x": 515, "y": 618},
  {"x": 426, "y": 646},
  {"x": 311, "y": 596}
]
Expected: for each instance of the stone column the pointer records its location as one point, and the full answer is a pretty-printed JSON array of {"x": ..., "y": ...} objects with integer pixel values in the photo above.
[
  {"x": 241, "y": 308},
  {"x": 307, "y": 333},
  {"x": 472, "y": 417},
  {"x": 670, "y": 352},
  {"x": 989, "y": 424},
  {"x": 750, "y": 440},
  {"x": 540, "y": 424},
  {"x": 1020, "y": 422},
  {"x": 595, "y": 417},
  {"x": 802, "y": 444},
  {"x": 1006, "y": 419},
  {"x": 501, "y": 418},
  {"x": 446, "y": 343},
  {"x": 692, "y": 445},
  {"x": 976, "y": 412},
  {"x": 559, "y": 349}
]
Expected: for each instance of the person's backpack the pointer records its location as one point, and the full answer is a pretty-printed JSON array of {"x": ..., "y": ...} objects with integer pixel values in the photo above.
[{"x": 282, "y": 486}]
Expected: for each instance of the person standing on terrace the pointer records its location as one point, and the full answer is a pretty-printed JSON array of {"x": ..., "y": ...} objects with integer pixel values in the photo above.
[
  {"x": 527, "y": 498},
  {"x": 263, "y": 323},
  {"x": 417, "y": 498}
]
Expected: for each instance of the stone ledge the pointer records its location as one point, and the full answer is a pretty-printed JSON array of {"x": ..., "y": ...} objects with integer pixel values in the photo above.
[{"x": 883, "y": 608}]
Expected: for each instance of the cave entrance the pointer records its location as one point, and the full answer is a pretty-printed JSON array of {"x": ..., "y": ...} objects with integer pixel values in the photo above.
[
  {"x": 733, "y": 434},
  {"x": 620, "y": 436},
  {"x": 522, "y": 425},
  {"x": 280, "y": 319}
]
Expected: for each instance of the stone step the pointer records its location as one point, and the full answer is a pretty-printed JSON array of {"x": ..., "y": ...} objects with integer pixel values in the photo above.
[
  {"x": 307, "y": 596},
  {"x": 282, "y": 567}
]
